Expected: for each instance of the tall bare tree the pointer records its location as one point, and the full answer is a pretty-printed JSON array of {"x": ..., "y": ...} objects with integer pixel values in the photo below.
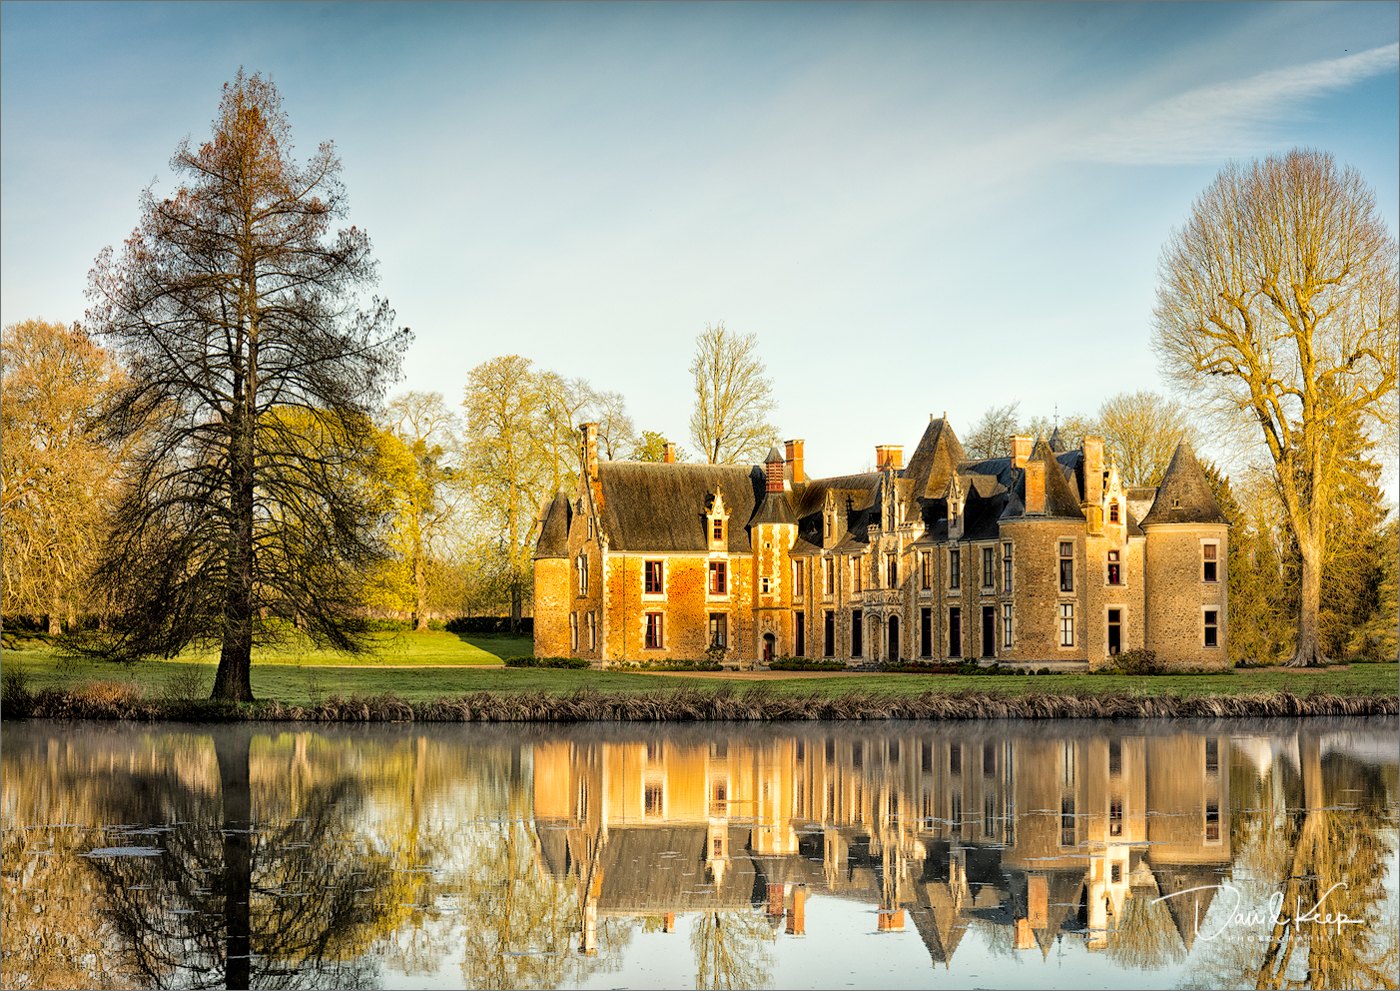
[
  {"x": 430, "y": 504},
  {"x": 1276, "y": 307},
  {"x": 234, "y": 307},
  {"x": 733, "y": 398},
  {"x": 508, "y": 464},
  {"x": 990, "y": 437},
  {"x": 616, "y": 432},
  {"x": 55, "y": 469},
  {"x": 1140, "y": 433}
]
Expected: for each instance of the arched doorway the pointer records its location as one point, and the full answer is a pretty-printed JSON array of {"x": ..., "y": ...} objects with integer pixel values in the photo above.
[
  {"x": 893, "y": 654},
  {"x": 770, "y": 644}
]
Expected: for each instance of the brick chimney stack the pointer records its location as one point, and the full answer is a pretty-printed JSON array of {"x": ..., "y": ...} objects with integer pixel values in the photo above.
[
  {"x": 590, "y": 450},
  {"x": 1020, "y": 450},
  {"x": 1093, "y": 470},
  {"x": 670, "y": 456},
  {"x": 1035, "y": 487},
  {"x": 889, "y": 456},
  {"x": 794, "y": 461}
]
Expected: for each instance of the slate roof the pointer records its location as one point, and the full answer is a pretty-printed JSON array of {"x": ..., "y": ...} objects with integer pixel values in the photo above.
[
  {"x": 651, "y": 506},
  {"x": 554, "y": 529},
  {"x": 1184, "y": 495},
  {"x": 1060, "y": 499}
]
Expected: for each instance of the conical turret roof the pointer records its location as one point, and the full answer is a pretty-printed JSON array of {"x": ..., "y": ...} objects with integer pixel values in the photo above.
[{"x": 1184, "y": 495}]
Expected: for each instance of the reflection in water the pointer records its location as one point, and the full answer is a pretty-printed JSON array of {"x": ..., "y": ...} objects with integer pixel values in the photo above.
[{"x": 538, "y": 857}]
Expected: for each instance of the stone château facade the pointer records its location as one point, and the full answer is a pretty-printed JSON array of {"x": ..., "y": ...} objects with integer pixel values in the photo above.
[{"x": 1042, "y": 557}]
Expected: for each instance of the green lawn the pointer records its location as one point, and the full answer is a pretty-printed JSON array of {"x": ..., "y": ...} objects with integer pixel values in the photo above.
[{"x": 293, "y": 677}]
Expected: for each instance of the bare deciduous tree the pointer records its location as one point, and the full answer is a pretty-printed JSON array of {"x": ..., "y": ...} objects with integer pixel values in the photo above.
[
  {"x": 616, "y": 432},
  {"x": 254, "y": 374},
  {"x": 990, "y": 436},
  {"x": 508, "y": 465},
  {"x": 1140, "y": 433},
  {"x": 429, "y": 506},
  {"x": 1276, "y": 307},
  {"x": 733, "y": 398}
]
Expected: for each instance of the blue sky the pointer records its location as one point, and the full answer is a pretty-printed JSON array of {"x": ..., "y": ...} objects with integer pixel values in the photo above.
[{"x": 917, "y": 208}]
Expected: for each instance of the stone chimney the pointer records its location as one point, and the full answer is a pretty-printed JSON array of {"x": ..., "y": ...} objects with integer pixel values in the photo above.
[
  {"x": 1093, "y": 470},
  {"x": 670, "y": 453},
  {"x": 1035, "y": 487},
  {"x": 773, "y": 470},
  {"x": 794, "y": 461},
  {"x": 1020, "y": 450},
  {"x": 889, "y": 456},
  {"x": 797, "y": 915},
  {"x": 590, "y": 450}
]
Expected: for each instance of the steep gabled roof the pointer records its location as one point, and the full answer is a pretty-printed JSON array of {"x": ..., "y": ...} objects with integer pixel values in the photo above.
[
  {"x": 936, "y": 457},
  {"x": 1060, "y": 498},
  {"x": 1184, "y": 495},
  {"x": 650, "y": 506},
  {"x": 554, "y": 529}
]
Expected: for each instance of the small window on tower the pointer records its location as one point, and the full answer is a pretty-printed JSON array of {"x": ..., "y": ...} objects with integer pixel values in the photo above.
[
  {"x": 1208, "y": 552},
  {"x": 1115, "y": 569}
]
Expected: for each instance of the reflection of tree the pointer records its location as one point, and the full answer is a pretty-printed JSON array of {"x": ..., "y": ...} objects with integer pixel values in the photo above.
[
  {"x": 1325, "y": 851},
  {"x": 271, "y": 900},
  {"x": 731, "y": 950},
  {"x": 1146, "y": 937}
]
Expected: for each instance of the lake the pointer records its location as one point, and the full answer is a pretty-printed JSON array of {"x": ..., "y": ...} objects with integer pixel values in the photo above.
[{"x": 820, "y": 855}]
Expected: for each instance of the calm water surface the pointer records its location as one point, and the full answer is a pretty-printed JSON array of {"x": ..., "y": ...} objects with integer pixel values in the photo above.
[{"x": 1074, "y": 854}]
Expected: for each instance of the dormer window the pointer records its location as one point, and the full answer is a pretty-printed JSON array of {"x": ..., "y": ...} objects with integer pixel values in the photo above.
[
  {"x": 717, "y": 531},
  {"x": 1113, "y": 511}
]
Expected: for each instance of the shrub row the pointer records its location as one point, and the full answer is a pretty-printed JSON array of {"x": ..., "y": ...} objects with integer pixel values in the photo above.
[
  {"x": 489, "y": 624},
  {"x": 676, "y": 665},
  {"x": 805, "y": 664},
  {"x": 546, "y": 662},
  {"x": 916, "y": 667}
]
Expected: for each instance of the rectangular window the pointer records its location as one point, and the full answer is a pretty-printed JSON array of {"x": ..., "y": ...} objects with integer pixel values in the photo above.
[
  {"x": 1066, "y": 566},
  {"x": 1212, "y": 757},
  {"x": 1212, "y": 822},
  {"x": 855, "y": 574},
  {"x": 799, "y": 576},
  {"x": 653, "y": 801},
  {"x": 1006, "y": 567},
  {"x": 955, "y": 569},
  {"x": 925, "y": 632},
  {"x": 800, "y": 635},
  {"x": 1006, "y": 624},
  {"x": 765, "y": 585},
  {"x": 829, "y": 634},
  {"x": 988, "y": 578},
  {"x": 1115, "y": 817},
  {"x": 1067, "y": 821},
  {"x": 719, "y": 629},
  {"x": 1115, "y": 569},
  {"x": 892, "y": 567},
  {"x": 1115, "y": 758},
  {"x": 829, "y": 576},
  {"x": 989, "y": 760},
  {"x": 857, "y": 629},
  {"x": 573, "y": 631},
  {"x": 1208, "y": 552},
  {"x": 828, "y": 527},
  {"x": 592, "y": 631},
  {"x": 654, "y": 630},
  {"x": 654, "y": 584},
  {"x": 1212, "y": 629},
  {"x": 1115, "y": 631},
  {"x": 955, "y": 632},
  {"x": 1067, "y": 624},
  {"x": 955, "y": 759},
  {"x": 719, "y": 577},
  {"x": 925, "y": 571},
  {"x": 1113, "y": 511},
  {"x": 718, "y": 529},
  {"x": 582, "y": 569}
]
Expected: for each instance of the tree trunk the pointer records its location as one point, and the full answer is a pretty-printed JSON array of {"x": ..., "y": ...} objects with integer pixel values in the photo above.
[
  {"x": 1308, "y": 647},
  {"x": 420, "y": 594},
  {"x": 233, "y": 682},
  {"x": 515, "y": 607},
  {"x": 231, "y": 749}
]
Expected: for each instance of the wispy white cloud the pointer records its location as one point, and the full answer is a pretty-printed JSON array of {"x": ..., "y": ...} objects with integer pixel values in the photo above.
[{"x": 1234, "y": 118}]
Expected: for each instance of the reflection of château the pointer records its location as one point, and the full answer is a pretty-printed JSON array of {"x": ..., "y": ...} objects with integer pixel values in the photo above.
[{"x": 1042, "y": 835}]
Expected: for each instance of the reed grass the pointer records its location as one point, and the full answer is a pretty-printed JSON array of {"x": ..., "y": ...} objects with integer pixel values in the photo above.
[{"x": 757, "y": 702}]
